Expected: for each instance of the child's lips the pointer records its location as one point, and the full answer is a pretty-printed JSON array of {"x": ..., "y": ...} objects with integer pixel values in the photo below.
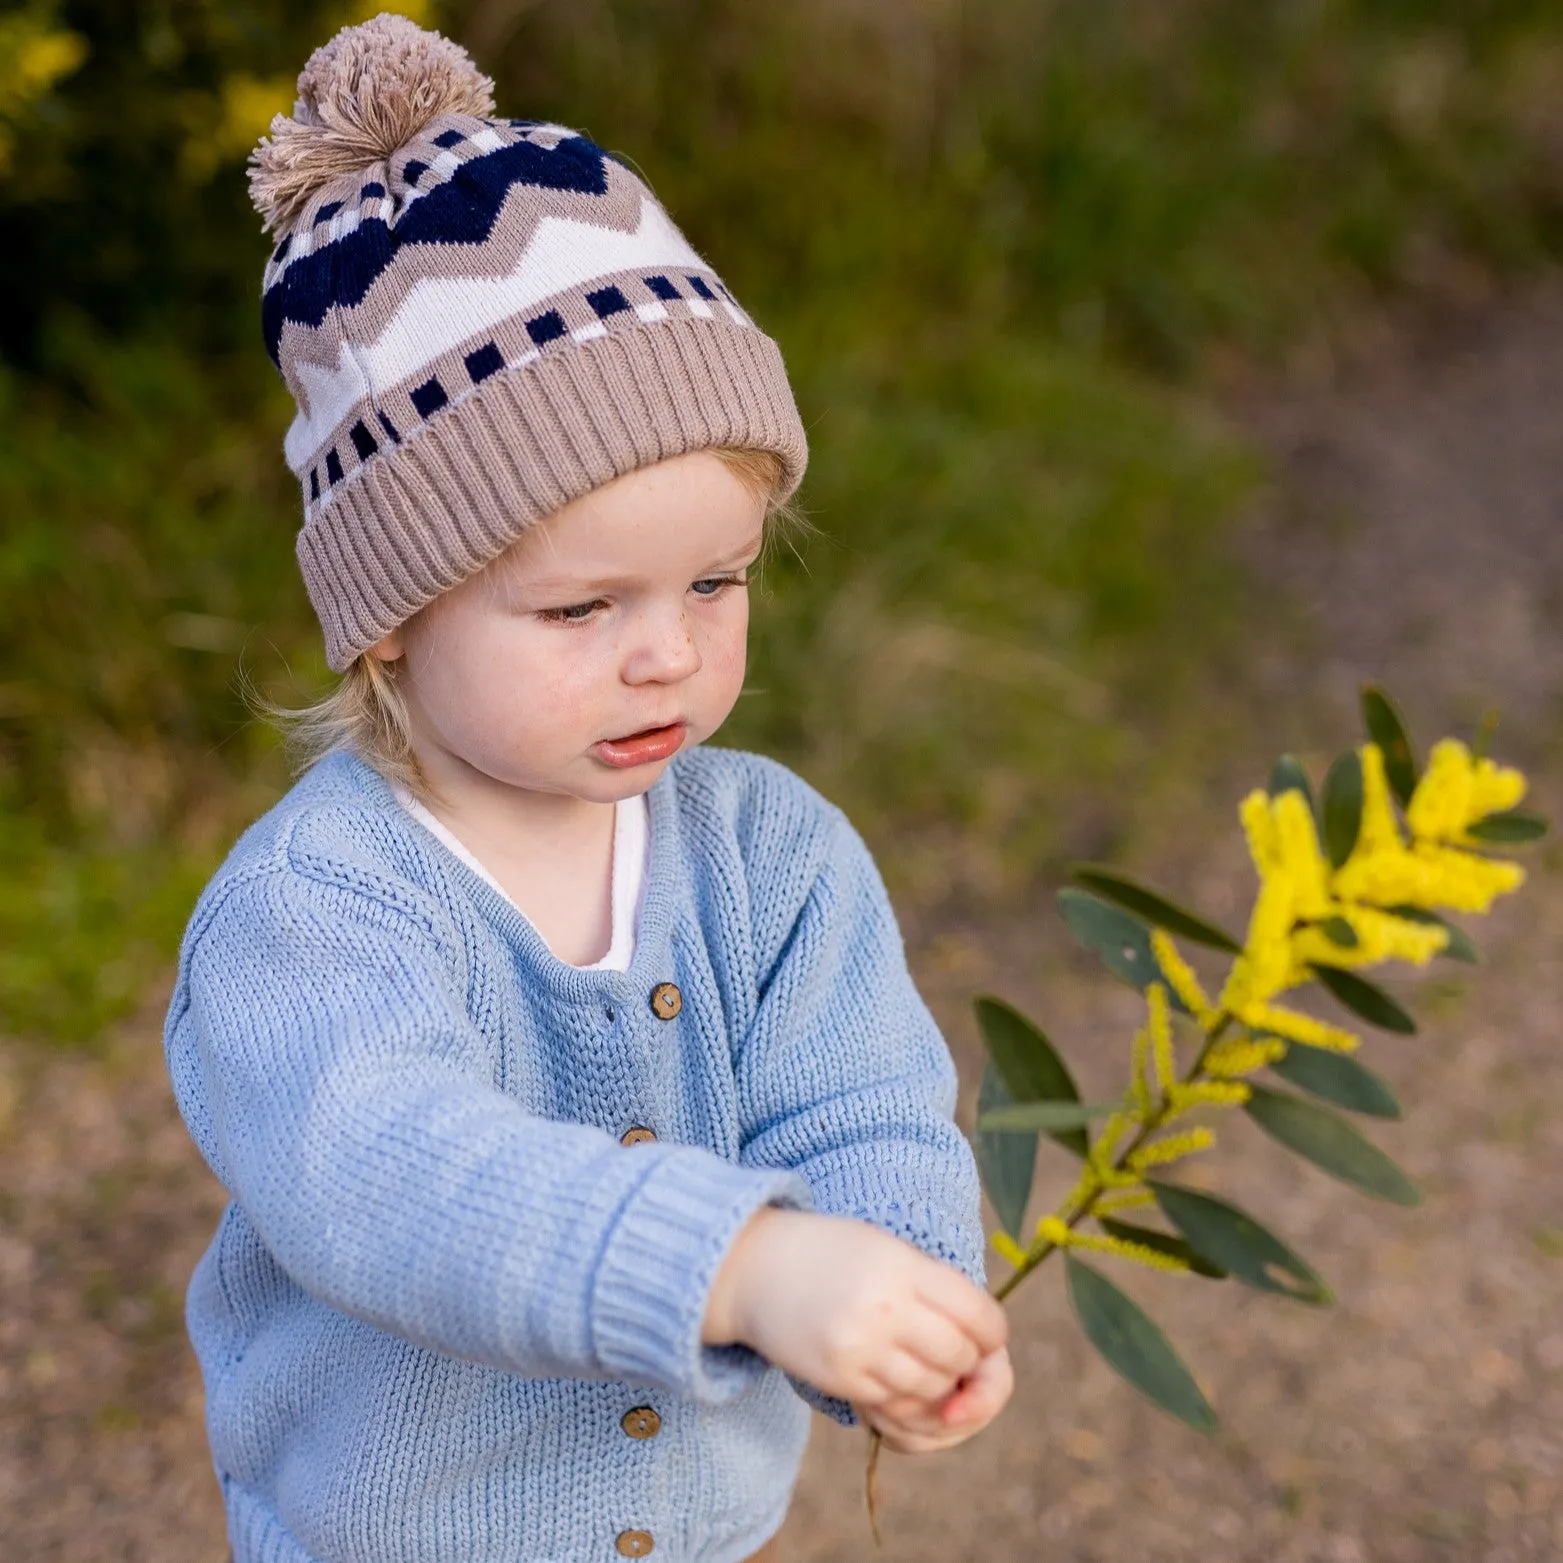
[{"x": 643, "y": 748}]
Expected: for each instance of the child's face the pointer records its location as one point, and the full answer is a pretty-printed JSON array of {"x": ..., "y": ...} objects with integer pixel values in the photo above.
[{"x": 598, "y": 645}]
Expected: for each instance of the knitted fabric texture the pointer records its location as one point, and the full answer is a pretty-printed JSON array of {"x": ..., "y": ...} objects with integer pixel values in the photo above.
[
  {"x": 443, "y": 1282},
  {"x": 478, "y": 325}
]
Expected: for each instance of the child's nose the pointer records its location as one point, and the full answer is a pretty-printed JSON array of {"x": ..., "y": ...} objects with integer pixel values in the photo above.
[{"x": 666, "y": 652}]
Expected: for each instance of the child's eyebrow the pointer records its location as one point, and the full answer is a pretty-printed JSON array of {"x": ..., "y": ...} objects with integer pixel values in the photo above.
[{"x": 552, "y": 584}]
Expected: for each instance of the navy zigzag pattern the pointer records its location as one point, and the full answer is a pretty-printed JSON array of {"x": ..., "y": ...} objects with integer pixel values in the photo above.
[{"x": 460, "y": 211}]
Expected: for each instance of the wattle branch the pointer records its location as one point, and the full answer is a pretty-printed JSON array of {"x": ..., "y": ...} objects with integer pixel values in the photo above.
[
  {"x": 1083, "y": 1204},
  {"x": 1355, "y": 878},
  {"x": 1359, "y": 876}
]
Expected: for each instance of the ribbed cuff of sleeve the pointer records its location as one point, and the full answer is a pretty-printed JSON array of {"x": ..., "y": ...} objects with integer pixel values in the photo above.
[
  {"x": 654, "y": 1277},
  {"x": 827, "y": 1405}
]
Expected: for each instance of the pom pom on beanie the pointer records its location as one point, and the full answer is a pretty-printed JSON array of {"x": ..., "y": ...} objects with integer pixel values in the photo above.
[{"x": 361, "y": 97}]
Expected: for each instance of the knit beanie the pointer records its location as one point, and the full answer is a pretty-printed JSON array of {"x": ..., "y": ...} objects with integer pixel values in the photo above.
[{"x": 480, "y": 320}]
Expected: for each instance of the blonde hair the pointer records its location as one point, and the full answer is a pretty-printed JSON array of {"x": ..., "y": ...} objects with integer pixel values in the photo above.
[{"x": 366, "y": 713}]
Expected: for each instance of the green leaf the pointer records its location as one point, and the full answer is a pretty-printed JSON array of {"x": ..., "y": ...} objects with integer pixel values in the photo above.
[
  {"x": 1123, "y": 942},
  {"x": 1387, "y": 728},
  {"x": 1289, "y": 776},
  {"x": 1510, "y": 828},
  {"x": 1030, "y": 1065},
  {"x": 1342, "y": 807},
  {"x": 1232, "y": 1239},
  {"x": 1133, "y": 1346},
  {"x": 1365, "y": 1000},
  {"x": 1046, "y": 1117},
  {"x": 1337, "y": 1078},
  {"x": 1006, "y": 1161},
  {"x": 1153, "y": 907},
  {"x": 1331, "y": 1144},
  {"x": 1461, "y": 946},
  {"x": 1338, "y": 931},
  {"x": 1163, "y": 1243}
]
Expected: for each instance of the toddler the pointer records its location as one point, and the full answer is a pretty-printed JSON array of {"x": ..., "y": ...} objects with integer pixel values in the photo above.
[{"x": 581, "y": 1123}]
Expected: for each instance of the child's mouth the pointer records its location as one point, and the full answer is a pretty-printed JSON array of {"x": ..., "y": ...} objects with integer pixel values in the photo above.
[{"x": 644, "y": 748}]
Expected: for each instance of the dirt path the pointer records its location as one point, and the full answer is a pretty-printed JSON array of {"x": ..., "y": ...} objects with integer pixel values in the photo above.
[{"x": 1417, "y": 537}]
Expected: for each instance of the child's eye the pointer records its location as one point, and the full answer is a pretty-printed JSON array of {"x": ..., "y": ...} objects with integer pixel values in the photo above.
[
  {"x": 576, "y": 613},
  {"x": 713, "y": 585}
]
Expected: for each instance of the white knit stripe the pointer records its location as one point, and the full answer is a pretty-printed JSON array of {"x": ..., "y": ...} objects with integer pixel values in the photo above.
[{"x": 439, "y": 313}]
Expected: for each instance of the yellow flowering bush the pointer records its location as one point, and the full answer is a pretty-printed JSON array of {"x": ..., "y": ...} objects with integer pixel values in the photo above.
[{"x": 1357, "y": 877}]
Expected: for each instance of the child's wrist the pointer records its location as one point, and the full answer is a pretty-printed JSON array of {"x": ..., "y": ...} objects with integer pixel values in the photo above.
[{"x": 727, "y": 1317}]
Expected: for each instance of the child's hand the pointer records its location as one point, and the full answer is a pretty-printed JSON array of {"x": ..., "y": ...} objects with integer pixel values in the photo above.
[
  {"x": 911, "y": 1426},
  {"x": 860, "y": 1315}
]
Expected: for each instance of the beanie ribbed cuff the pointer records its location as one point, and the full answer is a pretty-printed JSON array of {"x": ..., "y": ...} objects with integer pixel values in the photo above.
[{"x": 423, "y": 516}]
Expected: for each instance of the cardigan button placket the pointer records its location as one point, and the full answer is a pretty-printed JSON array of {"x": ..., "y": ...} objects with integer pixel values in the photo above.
[
  {"x": 666, "y": 1001},
  {"x": 639, "y": 1135},
  {"x": 634, "y": 1543}
]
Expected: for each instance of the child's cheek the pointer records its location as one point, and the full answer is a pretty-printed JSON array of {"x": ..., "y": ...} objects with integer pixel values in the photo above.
[{"x": 724, "y": 659}]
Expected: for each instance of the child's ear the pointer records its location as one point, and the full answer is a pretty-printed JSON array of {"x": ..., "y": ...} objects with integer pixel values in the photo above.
[{"x": 389, "y": 647}]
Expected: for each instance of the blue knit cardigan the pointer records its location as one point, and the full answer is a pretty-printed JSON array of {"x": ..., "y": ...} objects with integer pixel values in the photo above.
[{"x": 443, "y": 1282}]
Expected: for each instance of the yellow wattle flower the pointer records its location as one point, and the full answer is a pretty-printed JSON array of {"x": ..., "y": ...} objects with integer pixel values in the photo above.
[
  {"x": 1125, "y": 1199},
  {"x": 1295, "y": 1027},
  {"x": 1160, "y": 1028},
  {"x": 1139, "y": 1082},
  {"x": 1381, "y": 936},
  {"x": 1495, "y": 788},
  {"x": 1008, "y": 1249},
  {"x": 1299, "y": 856},
  {"x": 1174, "y": 1148},
  {"x": 1456, "y": 790},
  {"x": 1462, "y": 881},
  {"x": 1259, "y": 828},
  {"x": 1429, "y": 875},
  {"x": 1207, "y": 1093},
  {"x": 1180, "y": 978},
  {"x": 1265, "y": 964},
  {"x": 1099, "y": 1161},
  {"x": 1052, "y": 1230},
  {"x": 1379, "y": 828},
  {"x": 1234, "y": 1056}
]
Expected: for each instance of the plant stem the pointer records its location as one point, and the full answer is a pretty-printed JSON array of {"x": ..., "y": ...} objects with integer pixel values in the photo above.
[{"x": 1037, "y": 1255}]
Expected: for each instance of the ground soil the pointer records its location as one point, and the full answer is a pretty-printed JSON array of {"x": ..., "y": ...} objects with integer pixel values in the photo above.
[{"x": 1414, "y": 533}]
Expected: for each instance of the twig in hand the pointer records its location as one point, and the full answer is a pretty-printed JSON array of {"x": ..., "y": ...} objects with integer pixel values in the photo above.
[{"x": 871, "y": 1486}]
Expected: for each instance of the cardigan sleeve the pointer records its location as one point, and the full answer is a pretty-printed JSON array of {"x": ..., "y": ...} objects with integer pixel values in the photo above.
[
  {"x": 326, "y": 1062},
  {"x": 847, "y": 1080}
]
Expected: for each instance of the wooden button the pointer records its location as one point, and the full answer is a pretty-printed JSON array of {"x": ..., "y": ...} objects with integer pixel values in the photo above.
[
  {"x": 634, "y": 1543},
  {"x": 666, "y": 1000},
  {"x": 642, "y": 1422},
  {"x": 639, "y": 1135}
]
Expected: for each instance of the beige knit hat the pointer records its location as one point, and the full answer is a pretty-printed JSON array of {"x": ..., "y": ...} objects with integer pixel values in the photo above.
[{"x": 480, "y": 320}]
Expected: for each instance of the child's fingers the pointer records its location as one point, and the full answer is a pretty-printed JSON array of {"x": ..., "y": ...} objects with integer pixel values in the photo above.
[
  {"x": 943, "y": 1287},
  {"x": 983, "y": 1394},
  {"x": 940, "y": 1342},
  {"x": 898, "y": 1373},
  {"x": 911, "y": 1414},
  {"x": 914, "y": 1443}
]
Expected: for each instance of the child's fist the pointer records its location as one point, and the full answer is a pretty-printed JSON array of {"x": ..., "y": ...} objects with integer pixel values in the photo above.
[
  {"x": 857, "y": 1313},
  {"x": 911, "y": 1426}
]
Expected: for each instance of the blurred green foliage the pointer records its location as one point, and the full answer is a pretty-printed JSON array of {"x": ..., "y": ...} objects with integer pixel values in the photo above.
[{"x": 1004, "y": 247}]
